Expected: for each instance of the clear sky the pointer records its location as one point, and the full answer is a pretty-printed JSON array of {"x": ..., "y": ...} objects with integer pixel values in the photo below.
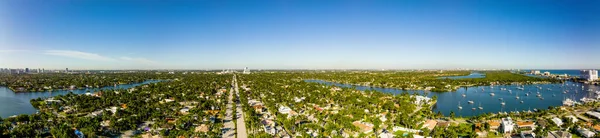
[{"x": 284, "y": 34}]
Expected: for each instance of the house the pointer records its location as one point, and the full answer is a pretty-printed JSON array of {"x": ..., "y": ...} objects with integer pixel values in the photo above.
[
  {"x": 363, "y": 126},
  {"x": 494, "y": 125},
  {"x": 526, "y": 125},
  {"x": 258, "y": 108},
  {"x": 585, "y": 133},
  {"x": 593, "y": 114},
  {"x": 443, "y": 124},
  {"x": 507, "y": 125},
  {"x": 184, "y": 110},
  {"x": 202, "y": 128},
  {"x": 557, "y": 121},
  {"x": 430, "y": 124},
  {"x": 560, "y": 134}
]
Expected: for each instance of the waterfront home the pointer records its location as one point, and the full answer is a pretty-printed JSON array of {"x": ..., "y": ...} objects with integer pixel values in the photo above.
[
  {"x": 507, "y": 125},
  {"x": 585, "y": 132},
  {"x": 557, "y": 121},
  {"x": 526, "y": 125},
  {"x": 430, "y": 124},
  {"x": 560, "y": 134},
  {"x": 421, "y": 100},
  {"x": 443, "y": 124},
  {"x": 494, "y": 125}
]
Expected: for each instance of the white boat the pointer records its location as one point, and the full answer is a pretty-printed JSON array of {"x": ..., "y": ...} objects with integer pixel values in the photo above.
[
  {"x": 464, "y": 95},
  {"x": 503, "y": 103},
  {"x": 480, "y": 107},
  {"x": 521, "y": 101},
  {"x": 459, "y": 107},
  {"x": 470, "y": 102},
  {"x": 492, "y": 94}
]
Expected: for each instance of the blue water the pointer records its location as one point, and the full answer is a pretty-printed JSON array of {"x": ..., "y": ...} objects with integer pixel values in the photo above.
[
  {"x": 448, "y": 101},
  {"x": 12, "y": 103},
  {"x": 470, "y": 76}
]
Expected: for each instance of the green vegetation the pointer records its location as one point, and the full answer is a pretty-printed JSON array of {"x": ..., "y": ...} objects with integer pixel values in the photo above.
[
  {"x": 323, "y": 110},
  {"x": 153, "y": 109}
]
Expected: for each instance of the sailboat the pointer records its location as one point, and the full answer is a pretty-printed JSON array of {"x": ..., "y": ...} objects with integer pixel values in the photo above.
[
  {"x": 471, "y": 102},
  {"x": 503, "y": 103},
  {"x": 480, "y": 107},
  {"x": 459, "y": 107},
  {"x": 517, "y": 95}
]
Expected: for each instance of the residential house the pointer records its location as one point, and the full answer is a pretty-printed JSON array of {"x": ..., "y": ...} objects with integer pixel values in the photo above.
[
  {"x": 526, "y": 125},
  {"x": 585, "y": 132},
  {"x": 557, "y": 121},
  {"x": 494, "y": 125},
  {"x": 364, "y": 127},
  {"x": 430, "y": 124}
]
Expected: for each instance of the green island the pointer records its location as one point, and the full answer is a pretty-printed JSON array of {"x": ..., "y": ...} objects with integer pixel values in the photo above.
[{"x": 423, "y": 80}]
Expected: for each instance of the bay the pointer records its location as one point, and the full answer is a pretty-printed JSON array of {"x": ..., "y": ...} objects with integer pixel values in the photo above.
[{"x": 447, "y": 102}]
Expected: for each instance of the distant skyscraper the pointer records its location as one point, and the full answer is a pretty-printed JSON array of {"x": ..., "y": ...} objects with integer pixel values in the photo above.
[
  {"x": 589, "y": 75},
  {"x": 26, "y": 70},
  {"x": 43, "y": 70},
  {"x": 67, "y": 70},
  {"x": 246, "y": 71}
]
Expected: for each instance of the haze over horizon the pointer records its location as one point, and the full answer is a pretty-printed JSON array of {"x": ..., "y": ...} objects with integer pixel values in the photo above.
[{"x": 299, "y": 34}]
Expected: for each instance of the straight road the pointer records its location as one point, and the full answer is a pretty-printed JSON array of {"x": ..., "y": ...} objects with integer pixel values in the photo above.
[
  {"x": 229, "y": 127},
  {"x": 241, "y": 125}
]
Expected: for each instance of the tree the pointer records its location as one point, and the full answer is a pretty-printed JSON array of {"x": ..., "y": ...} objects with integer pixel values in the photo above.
[{"x": 452, "y": 114}]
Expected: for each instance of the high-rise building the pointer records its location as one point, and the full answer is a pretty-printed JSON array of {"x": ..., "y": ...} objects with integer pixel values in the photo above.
[
  {"x": 67, "y": 70},
  {"x": 589, "y": 75},
  {"x": 43, "y": 70},
  {"x": 26, "y": 70}
]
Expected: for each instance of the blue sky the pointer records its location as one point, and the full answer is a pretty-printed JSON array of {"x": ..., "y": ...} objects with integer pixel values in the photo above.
[{"x": 135, "y": 34}]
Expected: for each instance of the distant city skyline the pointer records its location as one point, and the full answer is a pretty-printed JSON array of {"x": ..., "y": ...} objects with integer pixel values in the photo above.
[{"x": 511, "y": 34}]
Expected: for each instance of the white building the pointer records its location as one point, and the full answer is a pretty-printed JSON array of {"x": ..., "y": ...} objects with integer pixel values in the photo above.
[
  {"x": 589, "y": 75},
  {"x": 585, "y": 133},
  {"x": 546, "y": 73},
  {"x": 421, "y": 100},
  {"x": 507, "y": 125},
  {"x": 557, "y": 121}
]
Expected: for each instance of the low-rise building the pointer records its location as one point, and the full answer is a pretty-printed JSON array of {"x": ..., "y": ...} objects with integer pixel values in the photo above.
[
  {"x": 364, "y": 127},
  {"x": 430, "y": 124},
  {"x": 585, "y": 132},
  {"x": 494, "y": 125},
  {"x": 507, "y": 125},
  {"x": 557, "y": 121},
  {"x": 526, "y": 125}
]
